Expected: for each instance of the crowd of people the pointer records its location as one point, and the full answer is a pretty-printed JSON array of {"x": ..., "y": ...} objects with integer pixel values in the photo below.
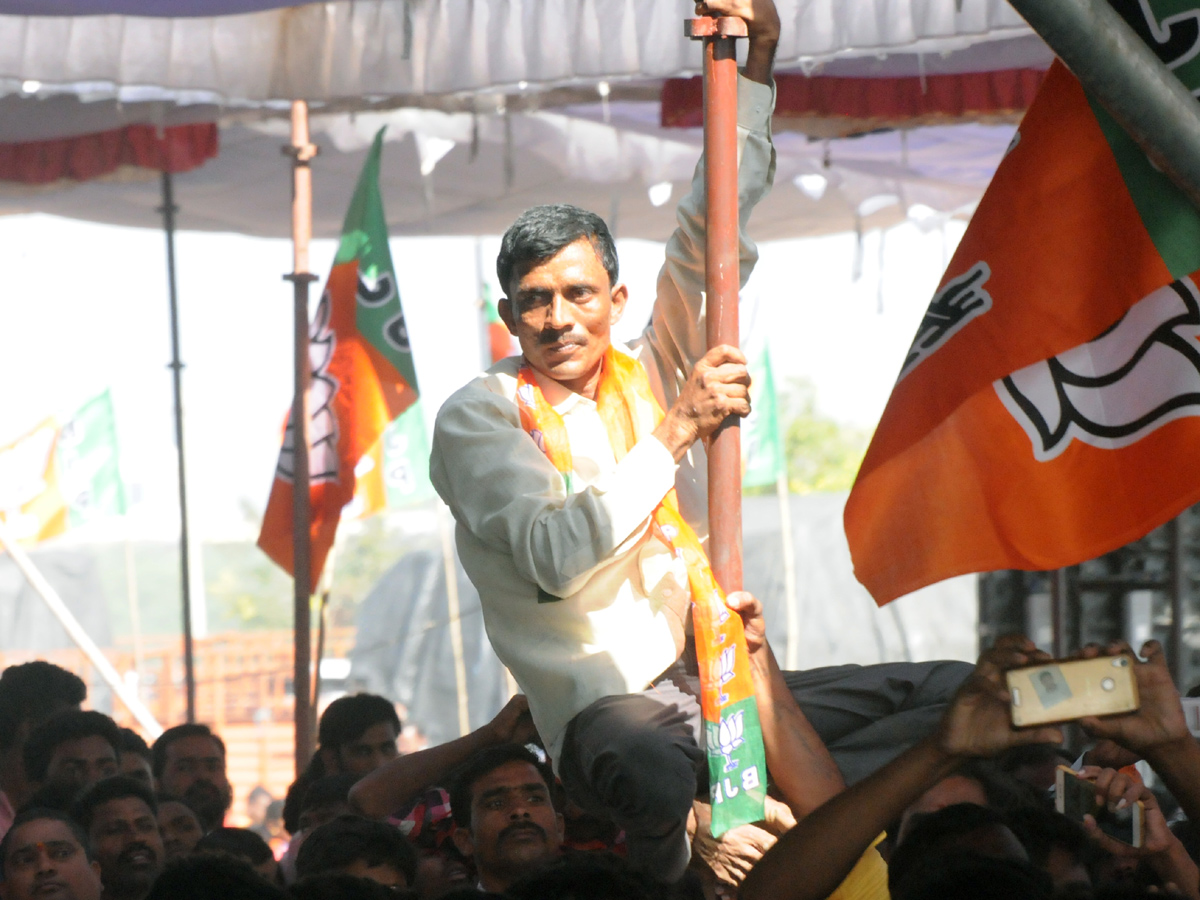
[{"x": 89, "y": 811}]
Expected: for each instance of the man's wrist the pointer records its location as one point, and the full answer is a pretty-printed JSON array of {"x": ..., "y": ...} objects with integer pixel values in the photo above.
[{"x": 675, "y": 435}]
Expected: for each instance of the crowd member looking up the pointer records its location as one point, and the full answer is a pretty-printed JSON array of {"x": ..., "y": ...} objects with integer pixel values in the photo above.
[
  {"x": 73, "y": 748},
  {"x": 45, "y": 856},
  {"x": 120, "y": 817},
  {"x": 352, "y": 845},
  {"x": 502, "y": 804},
  {"x": 29, "y": 693},
  {"x": 180, "y": 826},
  {"x": 136, "y": 759},
  {"x": 243, "y": 844},
  {"x": 189, "y": 762},
  {"x": 356, "y": 735}
]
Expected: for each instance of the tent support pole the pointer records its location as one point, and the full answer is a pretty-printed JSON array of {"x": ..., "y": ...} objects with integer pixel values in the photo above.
[
  {"x": 301, "y": 152},
  {"x": 168, "y": 211},
  {"x": 76, "y": 633},
  {"x": 722, "y": 281},
  {"x": 1117, "y": 67}
]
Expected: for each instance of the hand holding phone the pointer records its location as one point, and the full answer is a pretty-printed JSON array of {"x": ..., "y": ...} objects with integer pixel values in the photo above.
[
  {"x": 1108, "y": 798},
  {"x": 1062, "y": 690}
]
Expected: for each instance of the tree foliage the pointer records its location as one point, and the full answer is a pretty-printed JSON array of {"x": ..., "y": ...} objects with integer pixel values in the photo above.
[{"x": 822, "y": 454}]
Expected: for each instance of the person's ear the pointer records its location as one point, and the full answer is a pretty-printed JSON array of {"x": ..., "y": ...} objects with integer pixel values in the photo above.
[
  {"x": 620, "y": 296},
  {"x": 560, "y": 827},
  {"x": 464, "y": 843},
  {"x": 505, "y": 310}
]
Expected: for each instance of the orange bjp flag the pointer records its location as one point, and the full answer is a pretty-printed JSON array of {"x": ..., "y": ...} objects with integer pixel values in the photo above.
[
  {"x": 362, "y": 376},
  {"x": 1047, "y": 411}
]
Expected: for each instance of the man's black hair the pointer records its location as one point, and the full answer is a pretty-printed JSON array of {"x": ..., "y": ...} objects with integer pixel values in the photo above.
[
  {"x": 540, "y": 233},
  {"x": 462, "y": 782},
  {"x": 36, "y": 814},
  {"x": 31, "y": 690},
  {"x": 132, "y": 742},
  {"x": 192, "y": 729},
  {"x": 972, "y": 876},
  {"x": 58, "y": 795},
  {"x": 240, "y": 842},
  {"x": 327, "y": 790},
  {"x": 118, "y": 787},
  {"x": 343, "y": 887},
  {"x": 1040, "y": 829},
  {"x": 587, "y": 876},
  {"x": 204, "y": 876},
  {"x": 68, "y": 725},
  {"x": 346, "y": 718},
  {"x": 929, "y": 835},
  {"x": 340, "y": 843}
]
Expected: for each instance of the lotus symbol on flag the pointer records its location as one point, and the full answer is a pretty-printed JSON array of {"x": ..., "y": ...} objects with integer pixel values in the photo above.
[
  {"x": 323, "y": 425},
  {"x": 1113, "y": 391},
  {"x": 730, "y": 735},
  {"x": 961, "y": 300}
]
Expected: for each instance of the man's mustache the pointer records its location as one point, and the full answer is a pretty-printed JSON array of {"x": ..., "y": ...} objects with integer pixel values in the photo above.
[
  {"x": 561, "y": 337},
  {"x": 521, "y": 826}
]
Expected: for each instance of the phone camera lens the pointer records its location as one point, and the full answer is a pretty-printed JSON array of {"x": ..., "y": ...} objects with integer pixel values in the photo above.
[{"x": 1120, "y": 662}]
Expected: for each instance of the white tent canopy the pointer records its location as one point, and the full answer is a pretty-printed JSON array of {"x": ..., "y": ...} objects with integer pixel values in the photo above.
[
  {"x": 376, "y": 48},
  {"x": 492, "y": 106}
]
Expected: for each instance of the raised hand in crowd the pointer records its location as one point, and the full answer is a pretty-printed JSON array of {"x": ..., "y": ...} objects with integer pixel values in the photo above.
[
  {"x": 1160, "y": 848},
  {"x": 1157, "y": 731},
  {"x": 395, "y": 784},
  {"x": 832, "y": 840}
]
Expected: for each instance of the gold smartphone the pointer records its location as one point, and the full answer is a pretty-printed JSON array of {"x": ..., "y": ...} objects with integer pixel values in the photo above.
[
  {"x": 1071, "y": 689},
  {"x": 1075, "y": 797}
]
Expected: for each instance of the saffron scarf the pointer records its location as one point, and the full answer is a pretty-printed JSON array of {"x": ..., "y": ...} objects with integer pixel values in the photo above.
[{"x": 733, "y": 738}]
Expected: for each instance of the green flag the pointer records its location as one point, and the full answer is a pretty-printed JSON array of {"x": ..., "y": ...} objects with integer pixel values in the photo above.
[{"x": 762, "y": 446}]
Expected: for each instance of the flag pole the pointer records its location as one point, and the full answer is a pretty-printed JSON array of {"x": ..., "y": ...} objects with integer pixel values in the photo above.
[
  {"x": 722, "y": 280},
  {"x": 453, "y": 611},
  {"x": 1131, "y": 83},
  {"x": 301, "y": 151},
  {"x": 76, "y": 633},
  {"x": 168, "y": 210}
]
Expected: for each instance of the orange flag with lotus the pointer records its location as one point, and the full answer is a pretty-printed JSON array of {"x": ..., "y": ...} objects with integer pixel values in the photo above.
[
  {"x": 362, "y": 376},
  {"x": 1048, "y": 410}
]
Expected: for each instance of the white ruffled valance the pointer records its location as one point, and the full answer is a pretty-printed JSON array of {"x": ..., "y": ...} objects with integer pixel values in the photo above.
[{"x": 378, "y": 48}]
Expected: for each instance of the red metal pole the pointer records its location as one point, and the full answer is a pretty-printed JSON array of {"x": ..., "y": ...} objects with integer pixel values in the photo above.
[
  {"x": 302, "y": 152},
  {"x": 721, "y": 281}
]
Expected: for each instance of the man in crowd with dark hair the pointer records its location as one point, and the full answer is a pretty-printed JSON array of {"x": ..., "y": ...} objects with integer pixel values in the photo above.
[
  {"x": 45, "y": 855},
  {"x": 136, "y": 759},
  {"x": 74, "y": 748},
  {"x": 29, "y": 694},
  {"x": 503, "y": 806},
  {"x": 189, "y": 762},
  {"x": 180, "y": 827},
  {"x": 352, "y": 845},
  {"x": 212, "y": 876},
  {"x": 357, "y": 734},
  {"x": 243, "y": 844},
  {"x": 119, "y": 815}
]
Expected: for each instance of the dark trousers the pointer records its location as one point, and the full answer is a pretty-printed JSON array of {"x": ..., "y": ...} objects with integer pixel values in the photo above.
[{"x": 639, "y": 758}]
